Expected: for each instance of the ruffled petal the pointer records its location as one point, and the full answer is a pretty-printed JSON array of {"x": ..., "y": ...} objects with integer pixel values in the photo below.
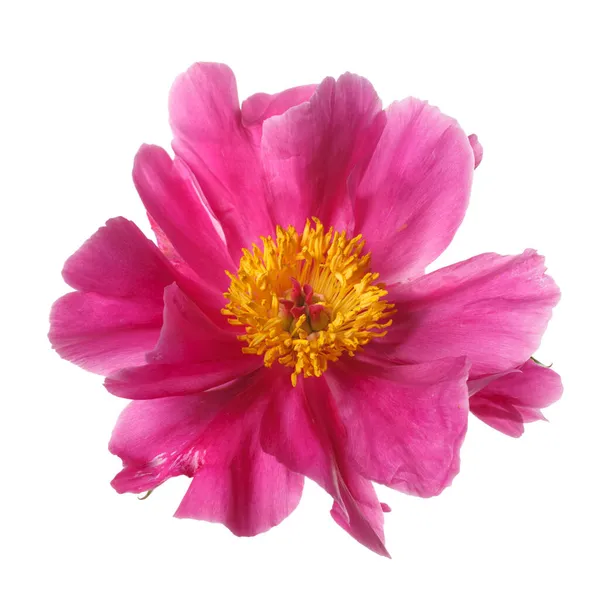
[
  {"x": 508, "y": 402},
  {"x": 360, "y": 513},
  {"x": 258, "y": 108},
  {"x": 491, "y": 308},
  {"x": 118, "y": 260},
  {"x": 249, "y": 495},
  {"x": 405, "y": 424},
  {"x": 212, "y": 437},
  {"x": 415, "y": 190},
  {"x": 209, "y": 136},
  {"x": 477, "y": 149},
  {"x": 238, "y": 484},
  {"x": 174, "y": 201},
  {"x": 311, "y": 152},
  {"x": 158, "y": 439},
  {"x": 301, "y": 428},
  {"x": 115, "y": 319},
  {"x": 171, "y": 254},
  {"x": 161, "y": 380},
  {"x": 102, "y": 334}
]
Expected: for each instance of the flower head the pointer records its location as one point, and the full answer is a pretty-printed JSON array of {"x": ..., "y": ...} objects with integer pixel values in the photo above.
[{"x": 284, "y": 326}]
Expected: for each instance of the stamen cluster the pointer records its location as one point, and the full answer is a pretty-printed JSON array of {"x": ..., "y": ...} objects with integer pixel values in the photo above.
[{"x": 306, "y": 299}]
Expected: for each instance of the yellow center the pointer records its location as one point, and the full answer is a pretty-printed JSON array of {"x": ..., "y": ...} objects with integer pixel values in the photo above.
[{"x": 306, "y": 299}]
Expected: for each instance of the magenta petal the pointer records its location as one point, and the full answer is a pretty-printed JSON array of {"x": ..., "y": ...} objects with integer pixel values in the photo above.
[
  {"x": 162, "y": 380},
  {"x": 166, "y": 437},
  {"x": 249, "y": 495},
  {"x": 116, "y": 317},
  {"x": 517, "y": 397},
  {"x": 491, "y": 308},
  {"x": 361, "y": 513},
  {"x": 477, "y": 149},
  {"x": 118, "y": 260},
  {"x": 415, "y": 191},
  {"x": 237, "y": 483},
  {"x": 474, "y": 385},
  {"x": 210, "y": 138},
  {"x": 174, "y": 201},
  {"x": 503, "y": 417},
  {"x": 302, "y": 430},
  {"x": 212, "y": 437},
  {"x": 405, "y": 424},
  {"x": 189, "y": 336},
  {"x": 311, "y": 151},
  {"x": 533, "y": 386},
  {"x": 157, "y": 440},
  {"x": 102, "y": 334},
  {"x": 258, "y": 108}
]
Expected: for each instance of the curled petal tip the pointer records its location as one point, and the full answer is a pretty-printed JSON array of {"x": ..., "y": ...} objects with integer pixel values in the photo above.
[{"x": 477, "y": 149}]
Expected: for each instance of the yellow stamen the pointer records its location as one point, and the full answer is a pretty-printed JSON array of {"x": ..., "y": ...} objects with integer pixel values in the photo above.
[{"x": 334, "y": 267}]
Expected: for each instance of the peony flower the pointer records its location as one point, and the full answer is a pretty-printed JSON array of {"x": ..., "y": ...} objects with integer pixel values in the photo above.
[{"x": 284, "y": 326}]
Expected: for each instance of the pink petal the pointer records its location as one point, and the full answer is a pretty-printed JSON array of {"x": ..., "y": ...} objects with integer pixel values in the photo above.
[
  {"x": 249, "y": 495},
  {"x": 258, "y": 108},
  {"x": 189, "y": 336},
  {"x": 415, "y": 190},
  {"x": 405, "y": 424},
  {"x": 210, "y": 138},
  {"x": 361, "y": 513},
  {"x": 238, "y": 484},
  {"x": 477, "y": 149},
  {"x": 301, "y": 428},
  {"x": 503, "y": 417},
  {"x": 212, "y": 437},
  {"x": 157, "y": 440},
  {"x": 173, "y": 199},
  {"x": 118, "y": 260},
  {"x": 162, "y": 380},
  {"x": 102, "y": 334},
  {"x": 475, "y": 385},
  {"x": 310, "y": 152},
  {"x": 535, "y": 386},
  {"x": 491, "y": 308},
  {"x": 515, "y": 398},
  {"x": 116, "y": 318},
  {"x": 169, "y": 252}
]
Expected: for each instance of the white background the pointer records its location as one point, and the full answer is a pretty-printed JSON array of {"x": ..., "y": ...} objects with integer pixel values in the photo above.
[{"x": 83, "y": 84}]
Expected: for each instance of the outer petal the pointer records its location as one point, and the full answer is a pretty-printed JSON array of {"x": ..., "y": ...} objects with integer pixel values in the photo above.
[
  {"x": 249, "y": 496},
  {"x": 102, "y": 334},
  {"x": 405, "y": 424},
  {"x": 477, "y": 149},
  {"x": 310, "y": 152},
  {"x": 360, "y": 513},
  {"x": 161, "y": 380},
  {"x": 516, "y": 398},
  {"x": 239, "y": 485},
  {"x": 491, "y": 308},
  {"x": 415, "y": 190},
  {"x": 116, "y": 317},
  {"x": 212, "y": 437},
  {"x": 301, "y": 428},
  {"x": 158, "y": 439},
  {"x": 118, "y": 260},
  {"x": 210, "y": 138},
  {"x": 174, "y": 201}
]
